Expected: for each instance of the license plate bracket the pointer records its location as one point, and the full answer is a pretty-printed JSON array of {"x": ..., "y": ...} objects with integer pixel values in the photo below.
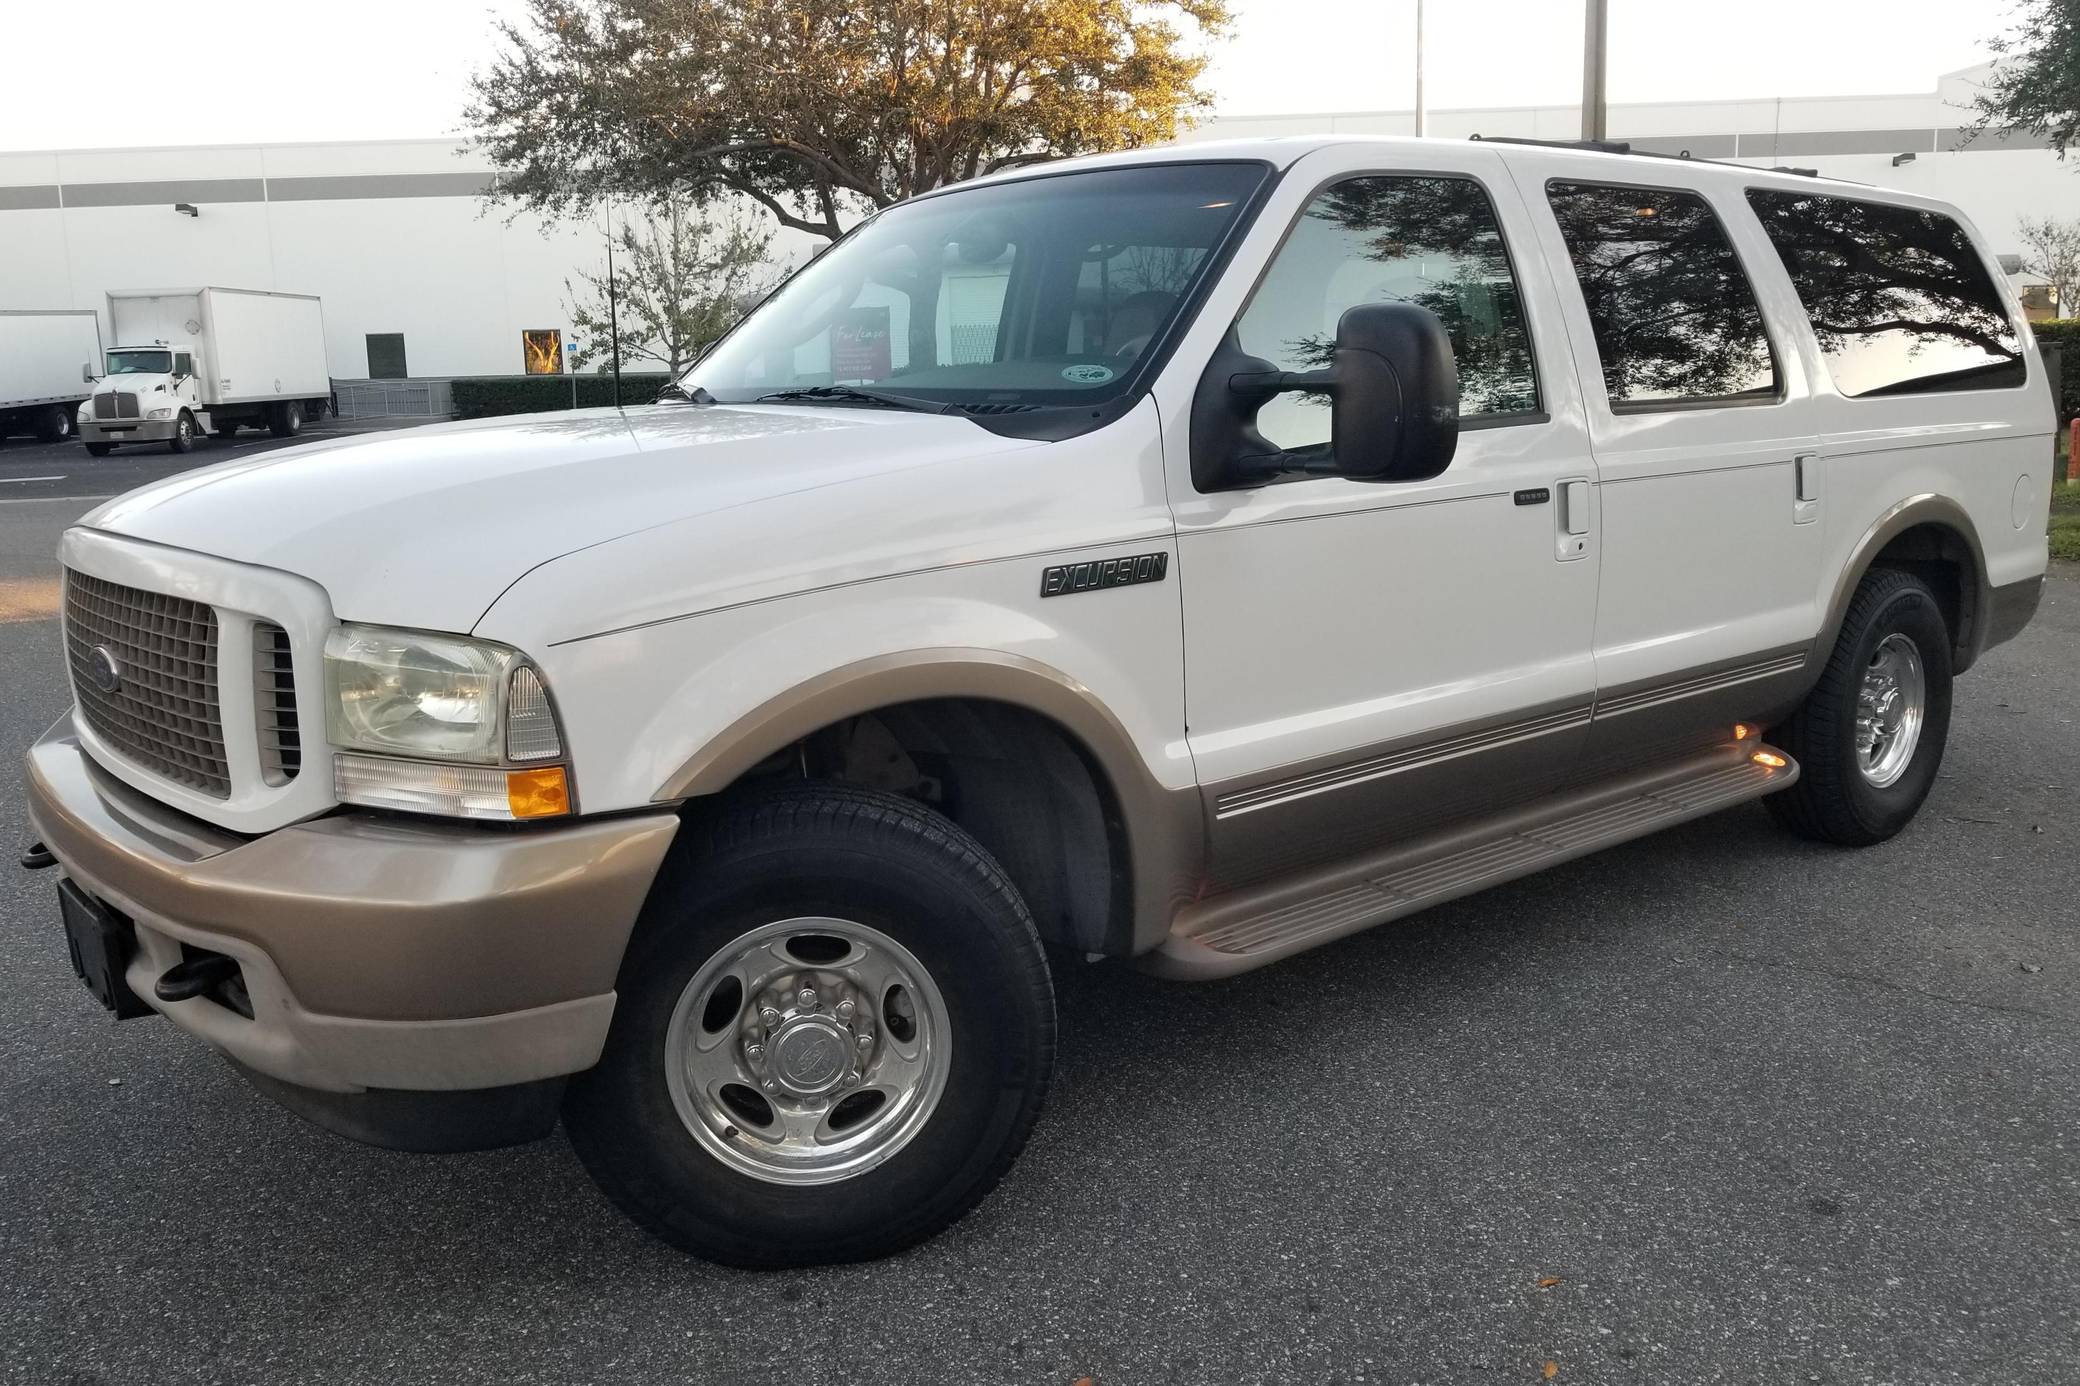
[{"x": 100, "y": 942}]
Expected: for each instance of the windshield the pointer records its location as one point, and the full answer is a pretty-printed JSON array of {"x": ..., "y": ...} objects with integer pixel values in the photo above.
[
  {"x": 1043, "y": 291},
  {"x": 140, "y": 362}
]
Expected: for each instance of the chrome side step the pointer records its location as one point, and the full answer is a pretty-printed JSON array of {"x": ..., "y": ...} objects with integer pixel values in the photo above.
[{"x": 1252, "y": 927}]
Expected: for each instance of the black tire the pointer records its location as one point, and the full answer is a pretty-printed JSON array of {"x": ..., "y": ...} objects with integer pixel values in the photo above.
[
  {"x": 53, "y": 424},
  {"x": 1833, "y": 801},
  {"x": 100, "y": 449},
  {"x": 183, "y": 439},
  {"x": 285, "y": 420},
  {"x": 835, "y": 851},
  {"x": 223, "y": 428}
]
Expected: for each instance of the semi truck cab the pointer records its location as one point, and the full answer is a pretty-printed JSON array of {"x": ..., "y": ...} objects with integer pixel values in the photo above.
[{"x": 147, "y": 394}]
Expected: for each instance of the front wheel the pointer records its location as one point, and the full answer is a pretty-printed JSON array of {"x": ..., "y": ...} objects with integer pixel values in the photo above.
[
  {"x": 834, "y": 1033},
  {"x": 1869, "y": 737},
  {"x": 100, "y": 449},
  {"x": 183, "y": 438}
]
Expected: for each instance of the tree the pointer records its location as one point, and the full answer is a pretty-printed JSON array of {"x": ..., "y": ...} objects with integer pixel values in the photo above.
[
  {"x": 818, "y": 110},
  {"x": 2051, "y": 251},
  {"x": 680, "y": 280},
  {"x": 2035, "y": 84}
]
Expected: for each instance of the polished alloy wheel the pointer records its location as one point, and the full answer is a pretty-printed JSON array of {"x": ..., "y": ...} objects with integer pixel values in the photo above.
[
  {"x": 807, "y": 1051},
  {"x": 1890, "y": 707}
]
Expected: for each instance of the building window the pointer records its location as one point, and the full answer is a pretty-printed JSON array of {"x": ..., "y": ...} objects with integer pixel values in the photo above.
[
  {"x": 1675, "y": 319},
  {"x": 1899, "y": 300},
  {"x": 386, "y": 356},
  {"x": 1433, "y": 242}
]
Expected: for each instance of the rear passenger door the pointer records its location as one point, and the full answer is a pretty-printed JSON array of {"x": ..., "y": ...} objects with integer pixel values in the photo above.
[
  {"x": 1701, "y": 421},
  {"x": 1370, "y": 660}
]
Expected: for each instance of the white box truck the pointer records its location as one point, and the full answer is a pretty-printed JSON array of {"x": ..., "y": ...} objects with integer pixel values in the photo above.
[
  {"x": 41, "y": 377},
  {"x": 193, "y": 361}
]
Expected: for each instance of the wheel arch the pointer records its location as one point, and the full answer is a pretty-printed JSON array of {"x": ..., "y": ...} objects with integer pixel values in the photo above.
[
  {"x": 980, "y": 703},
  {"x": 1934, "y": 538}
]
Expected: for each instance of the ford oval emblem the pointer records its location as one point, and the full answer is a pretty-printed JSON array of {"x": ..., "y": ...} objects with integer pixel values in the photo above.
[{"x": 103, "y": 669}]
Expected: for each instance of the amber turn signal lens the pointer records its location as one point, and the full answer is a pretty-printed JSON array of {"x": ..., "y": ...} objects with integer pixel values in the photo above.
[
  {"x": 540, "y": 793},
  {"x": 1769, "y": 758},
  {"x": 1742, "y": 731}
]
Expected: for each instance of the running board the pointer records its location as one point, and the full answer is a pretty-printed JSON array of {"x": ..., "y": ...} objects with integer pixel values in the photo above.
[{"x": 1261, "y": 924}]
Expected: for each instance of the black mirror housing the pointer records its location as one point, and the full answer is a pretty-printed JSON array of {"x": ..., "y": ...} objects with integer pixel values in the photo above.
[
  {"x": 1393, "y": 389},
  {"x": 1394, "y": 394}
]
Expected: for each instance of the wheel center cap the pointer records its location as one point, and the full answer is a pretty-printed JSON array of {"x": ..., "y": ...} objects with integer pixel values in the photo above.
[{"x": 810, "y": 1055}]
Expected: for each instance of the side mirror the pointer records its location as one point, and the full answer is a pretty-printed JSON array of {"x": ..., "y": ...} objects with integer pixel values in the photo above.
[
  {"x": 86, "y": 373},
  {"x": 1393, "y": 389}
]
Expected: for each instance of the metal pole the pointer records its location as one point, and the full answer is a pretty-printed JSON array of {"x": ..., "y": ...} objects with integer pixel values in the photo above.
[
  {"x": 1594, "y": 46},
  {"x": 1422, "y": 111},
  {"x": 613, "y": 305}
]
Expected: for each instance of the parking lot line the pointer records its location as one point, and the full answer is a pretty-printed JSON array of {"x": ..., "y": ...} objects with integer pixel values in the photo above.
[{"x": 18, "y": 480}]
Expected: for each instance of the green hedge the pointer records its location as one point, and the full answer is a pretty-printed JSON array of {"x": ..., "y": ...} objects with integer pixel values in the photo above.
[
  {"x": 481, "y": 397},
  {"x": 2065, "y": 334}
]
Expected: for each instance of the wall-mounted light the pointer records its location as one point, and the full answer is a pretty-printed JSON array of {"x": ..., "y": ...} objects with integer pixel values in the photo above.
[
  {"x": 186, "y": 209},
  {"x": 1899, "y": 159}
]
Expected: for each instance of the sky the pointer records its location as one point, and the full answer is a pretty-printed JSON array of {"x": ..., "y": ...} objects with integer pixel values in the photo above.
[{"x": 250, "y": 71}]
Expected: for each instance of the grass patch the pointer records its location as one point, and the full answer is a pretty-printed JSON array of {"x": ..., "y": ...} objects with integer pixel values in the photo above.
[{"x": 2065, "y": 520}]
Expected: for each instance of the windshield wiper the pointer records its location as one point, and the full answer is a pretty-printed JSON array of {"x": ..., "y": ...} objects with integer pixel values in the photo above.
[
  {"x": 697, "y": 395},
  {"x": 853, "y": 394}
]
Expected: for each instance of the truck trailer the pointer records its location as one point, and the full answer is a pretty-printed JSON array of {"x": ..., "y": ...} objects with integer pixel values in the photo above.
[
  {"x": 45, "y": 363},
  {"x": 211, "y": 360}
]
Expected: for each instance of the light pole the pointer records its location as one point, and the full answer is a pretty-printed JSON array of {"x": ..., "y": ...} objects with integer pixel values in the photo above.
[
  {"x": 1595, "y": 41},
  {"x": 1422, "y": 111}
]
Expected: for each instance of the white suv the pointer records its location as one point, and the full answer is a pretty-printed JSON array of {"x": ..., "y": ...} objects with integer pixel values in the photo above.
[{"x": 1192, "y": 556}]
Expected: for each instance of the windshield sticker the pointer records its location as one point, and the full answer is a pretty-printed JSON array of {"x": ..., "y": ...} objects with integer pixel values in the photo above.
[{"x": 1089, "y": 374}]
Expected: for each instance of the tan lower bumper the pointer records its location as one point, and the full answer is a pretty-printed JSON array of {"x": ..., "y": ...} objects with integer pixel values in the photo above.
[{"x": 378, "y": 952}]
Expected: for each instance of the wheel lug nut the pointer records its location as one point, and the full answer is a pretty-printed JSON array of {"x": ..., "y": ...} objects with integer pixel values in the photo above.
[
  {"x": 845, "y": 1009},
  {"x": 865, "y": 1040},
  {"x": 754, "y": 1051},
  {"x": 807, "y": 996},
  {"x": 769, "y": 1085},
  {"x": 769, "y": 1016}
]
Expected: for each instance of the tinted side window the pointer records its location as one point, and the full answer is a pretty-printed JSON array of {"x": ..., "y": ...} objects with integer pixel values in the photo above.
[
  {"x": 1674, "y": 316},
  {"x": 183, "y": 363},
  {"x": 1899, "y": 299},
  {"x": 1433, "y": 242}
]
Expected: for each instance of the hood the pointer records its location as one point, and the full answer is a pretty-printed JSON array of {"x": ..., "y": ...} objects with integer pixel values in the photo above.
[
  {"x": 136, "y": 382},
  {"x": 426, "y": 526}
]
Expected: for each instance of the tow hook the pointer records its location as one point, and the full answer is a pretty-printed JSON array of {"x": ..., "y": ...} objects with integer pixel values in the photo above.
[
  {"x": 37, "y": 857},
  {"x": 185, "y": 981}
]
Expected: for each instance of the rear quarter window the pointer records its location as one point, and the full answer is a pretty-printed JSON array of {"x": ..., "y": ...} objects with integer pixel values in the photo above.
[{"x": 1899, "y": 299}]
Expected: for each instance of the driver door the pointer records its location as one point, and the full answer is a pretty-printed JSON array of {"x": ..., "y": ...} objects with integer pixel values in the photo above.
[{"x": 1367, "y": 661}]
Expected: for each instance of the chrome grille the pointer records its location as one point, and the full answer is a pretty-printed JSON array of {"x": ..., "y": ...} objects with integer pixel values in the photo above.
[
  {"x": 162, "y": 712},
  {"x": 274, "y": 704},
  {"x": 115, "y": 404}
]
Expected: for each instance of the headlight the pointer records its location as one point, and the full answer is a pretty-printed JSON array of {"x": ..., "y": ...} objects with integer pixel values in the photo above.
[
  {"x": 165, "y": 413},
  {"x": 441, "y": 698},
  {"x": 86, "y": 413}
]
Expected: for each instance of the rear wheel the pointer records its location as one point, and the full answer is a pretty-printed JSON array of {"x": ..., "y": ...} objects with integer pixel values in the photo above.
[
  {"x": 1869, "y": 737},
  {"x": 834, "y": 1033},
  {"x": 53, "y": 424},
  {"x": 285, "y": 420},
  {"x": 183, "y": 433}
]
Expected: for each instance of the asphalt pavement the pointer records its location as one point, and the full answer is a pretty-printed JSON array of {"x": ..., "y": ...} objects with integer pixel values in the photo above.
[{"x": 1717, "y": 1106}]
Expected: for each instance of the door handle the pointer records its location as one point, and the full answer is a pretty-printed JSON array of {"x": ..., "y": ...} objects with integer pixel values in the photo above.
[
  {"x": 1572, "y": 519},
  {"x": 1805, "y": 488}
]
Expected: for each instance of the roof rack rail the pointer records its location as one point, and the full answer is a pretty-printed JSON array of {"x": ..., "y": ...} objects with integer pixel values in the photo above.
[
  {"x": 1593, "y": 146},
  {"x": 1801, "y": 172}
]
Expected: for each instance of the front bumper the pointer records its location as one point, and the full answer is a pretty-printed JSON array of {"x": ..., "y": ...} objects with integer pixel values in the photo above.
[
  {"x": 127, "y": 431},
  {"x": 379, "y": 954}
]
